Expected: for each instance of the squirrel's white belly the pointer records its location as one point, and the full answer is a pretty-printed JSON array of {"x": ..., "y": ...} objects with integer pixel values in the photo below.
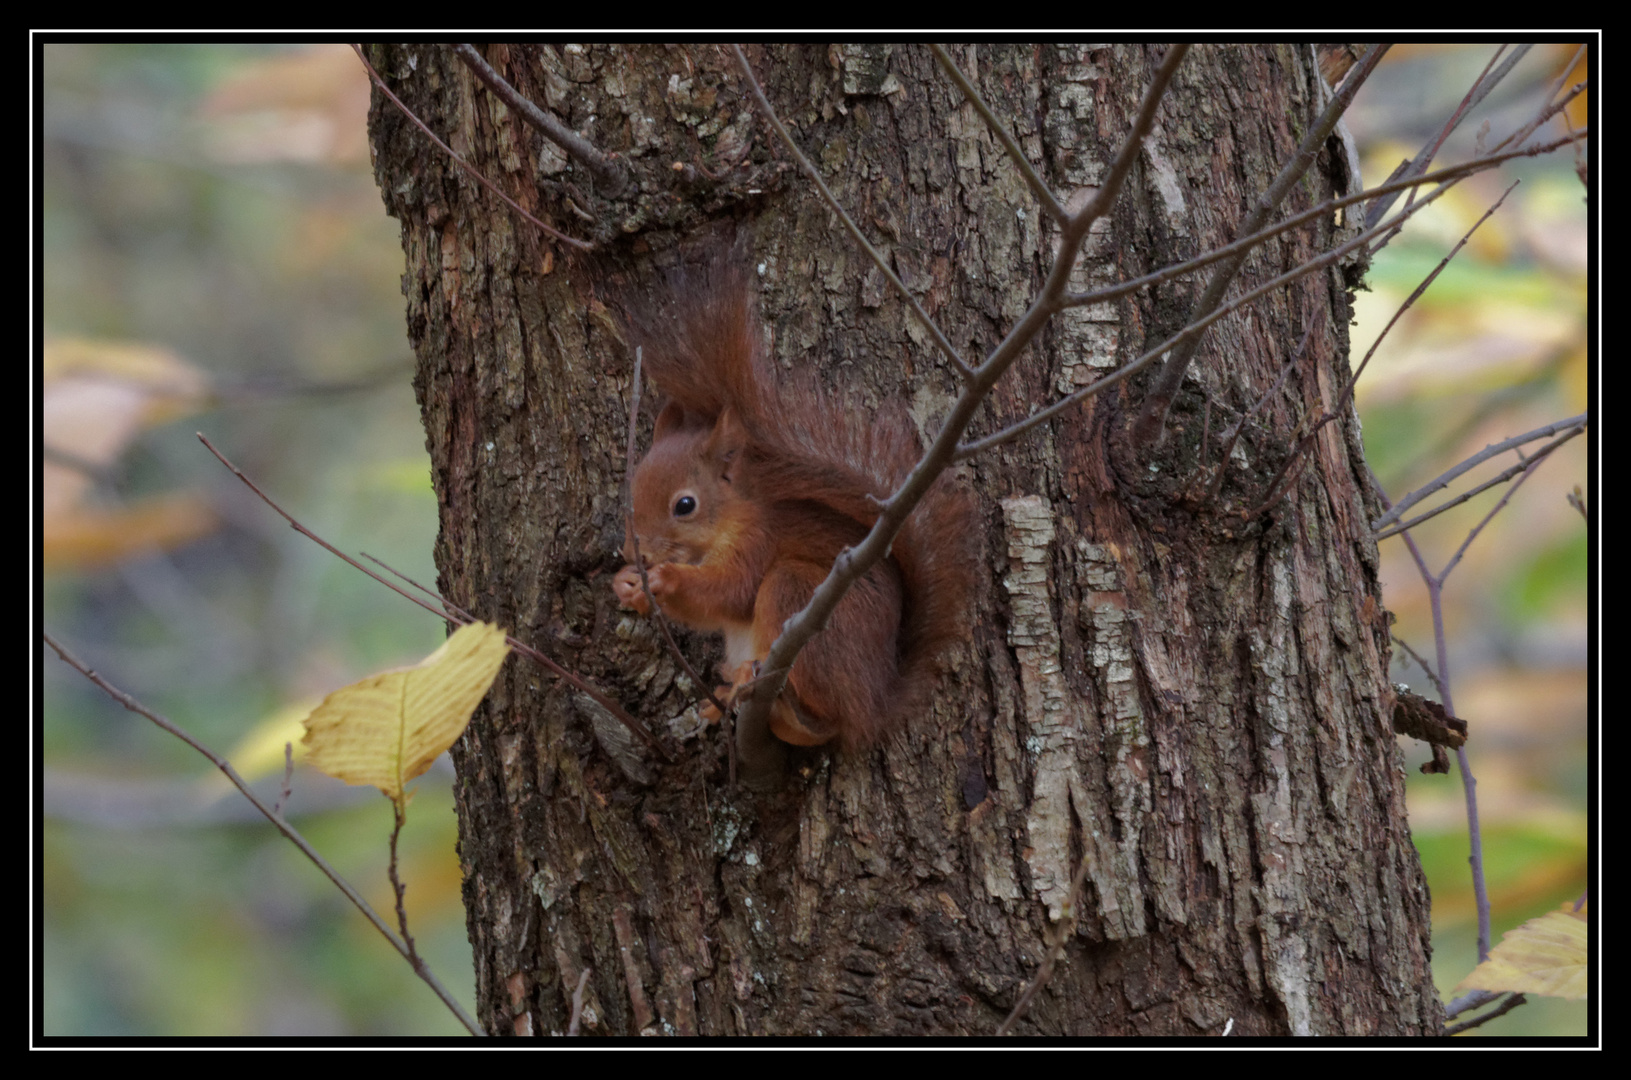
[{"x": 738, "y": 649}]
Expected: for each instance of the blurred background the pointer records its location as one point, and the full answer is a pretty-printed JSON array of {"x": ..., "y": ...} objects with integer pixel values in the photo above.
[
  {"x": 1496, "y": 347},
  {"x": 216, "y": 258}
]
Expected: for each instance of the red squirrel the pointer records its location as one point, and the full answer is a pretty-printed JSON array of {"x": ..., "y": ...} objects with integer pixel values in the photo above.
[{"x": 751, "y": 489}]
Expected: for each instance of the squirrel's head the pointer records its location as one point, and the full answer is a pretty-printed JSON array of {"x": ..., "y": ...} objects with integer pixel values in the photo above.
[{"x": 685, "y": 486}]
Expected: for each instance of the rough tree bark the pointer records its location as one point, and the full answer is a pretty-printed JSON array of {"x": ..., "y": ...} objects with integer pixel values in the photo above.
[{"x": 1193, "y": 702}]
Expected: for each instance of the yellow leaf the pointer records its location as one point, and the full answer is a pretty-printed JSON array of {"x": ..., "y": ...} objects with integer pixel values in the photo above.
[
  {"x": 388, "y": 728},
  {"x": 1543, "y": 956}
]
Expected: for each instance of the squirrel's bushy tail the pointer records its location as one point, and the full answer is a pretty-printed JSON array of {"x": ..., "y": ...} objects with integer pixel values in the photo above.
[
  {"x": 700, "y": 343},
  {"x": 937, "y": 551}
]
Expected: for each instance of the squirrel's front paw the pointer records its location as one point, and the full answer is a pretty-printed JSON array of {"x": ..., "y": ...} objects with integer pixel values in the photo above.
[{"x": 626, "y": 586}]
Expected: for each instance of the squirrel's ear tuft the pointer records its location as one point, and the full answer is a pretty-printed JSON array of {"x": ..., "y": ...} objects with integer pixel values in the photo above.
[
  {"x": 670, "y": 419},
  {"x": 728, "y": 440}
]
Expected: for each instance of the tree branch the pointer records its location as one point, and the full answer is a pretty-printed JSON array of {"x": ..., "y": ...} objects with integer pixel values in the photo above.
[
  {"x": 449, "y": 610},
  {"x": 1480, "y": 88},
  {"x": 1521, "y": 467},
  {"x": 1444, "y": 479},
  {"x": 1187, "y": 333},
  {"x": 1501, "y": 1010},
  {"x": 1469, "y": 783},
  {"x": 612, "y": 171},
  {"x": 1233, "y": 434},
  {"x": 1324, "y": 209},
  {"x": 854, "y": 230},
  {"x": 1056, "y": 946},
  {"x": 1274, "y": 490},
  {"x": 1015, "y": 154},
  {"x": 581, "y": 245}
]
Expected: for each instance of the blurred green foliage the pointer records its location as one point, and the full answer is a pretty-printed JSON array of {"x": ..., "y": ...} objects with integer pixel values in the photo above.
[
  {"x": 1496, "y": 347},
  {"x": 217, "y": 200}
]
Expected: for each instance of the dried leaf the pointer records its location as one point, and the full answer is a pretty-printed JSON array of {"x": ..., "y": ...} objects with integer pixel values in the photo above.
[
  {"x": 1543, "y": 956},
  {"x": 1426, "y": 720}
]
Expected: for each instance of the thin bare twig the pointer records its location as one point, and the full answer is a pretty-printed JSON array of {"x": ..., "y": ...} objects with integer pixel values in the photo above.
[
  {"x": 1577, "y": 499},
  {"x": 1506, "y": 497},
  {"x": 1275, "y": 489},
  {"x": 1422, "y": 288},
  {"x": 454, "y": 613},
  {"x": 1099, "y": 205},
  {"x": 1475, "y": 94},
  {"x": 612, "y": 171},
  {"x": 1523, "y": 466},
  {"x": 1563, "y": 76},
  {"x": 1545, "y": 114},
  {"x": 577, "y": 1002},
  {"x": 302, "y": 530},
  {"x": 832, "y": 202},
  {"x": 633, "y": 432},
  {"x": 278, "y": 823},
  {"x": 1233, "y": 434},
  {"x": 1472, "y": 999},
  {"x": 1444, "y": 177},
  {"x": 450, "y": 610},
  {"x": 1204, "y": 450},
  {"x": 1434, "y": 584},
  {"x": 398, "y": 888},
  {"x": 1322, "y": 210},
  {"x": 1164, "y": 387},
  {"x": 1056, "y": 947},
  {"x": 288, "y": 779},
  {"x": 458, "y": 614},
  {"x": 1518, "y": 137},
  {"x": 1189, "y": 332},
  {"x": 1426, "y": 668},
  {"x": 1469, "y": 790},
  {"x": 581, "y": 245},
  {"x": 1501, "y": 1010},
  {"x": 1445, "y": 478}
]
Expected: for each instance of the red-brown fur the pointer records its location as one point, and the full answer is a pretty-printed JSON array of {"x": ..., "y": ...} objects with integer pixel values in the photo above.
[{"x": 784, "y": 481}]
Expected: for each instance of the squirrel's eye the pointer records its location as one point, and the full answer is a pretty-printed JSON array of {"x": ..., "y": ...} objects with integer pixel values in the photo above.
[{"x": 685, "y": 506}]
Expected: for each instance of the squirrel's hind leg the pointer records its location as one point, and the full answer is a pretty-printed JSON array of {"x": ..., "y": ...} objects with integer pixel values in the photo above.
[{"x": 842, "y": 684}]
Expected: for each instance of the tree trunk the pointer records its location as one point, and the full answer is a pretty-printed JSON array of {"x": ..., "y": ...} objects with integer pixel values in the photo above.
[{"x": 1191, "y": 699}]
